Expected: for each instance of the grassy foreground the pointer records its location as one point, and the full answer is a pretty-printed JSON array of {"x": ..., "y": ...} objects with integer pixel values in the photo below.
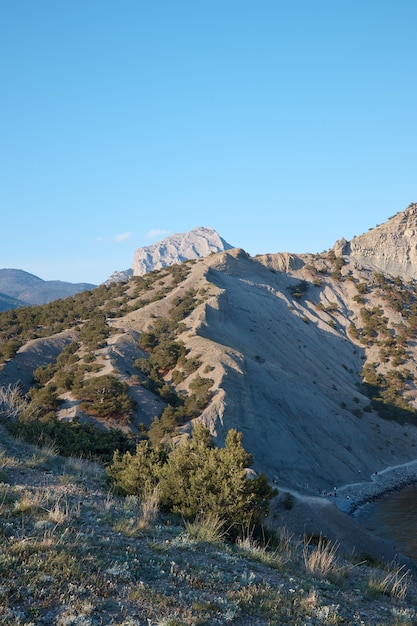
[{"x": 73, "y": 553}]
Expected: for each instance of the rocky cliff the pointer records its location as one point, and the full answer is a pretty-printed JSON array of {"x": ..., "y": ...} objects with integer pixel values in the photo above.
[
  {"x": 390, "y": 247},
  {"x": 196, "y": 243}
]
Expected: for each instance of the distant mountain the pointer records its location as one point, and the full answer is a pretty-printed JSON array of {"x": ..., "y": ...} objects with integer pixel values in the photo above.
[
  {"x": 6, "y": 302},
  {"x": 20, "y": 288},
  {"x": 119, "y": 276},
  {"x": 194, "y": 244}
]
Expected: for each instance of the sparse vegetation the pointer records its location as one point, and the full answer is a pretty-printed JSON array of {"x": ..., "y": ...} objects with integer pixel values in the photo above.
[
  {"x": 393, "y": 581},
  {"x": 72, "y": 552},
  {"x": 320, "y": 559},
  {"x": 197, "y": 478},
  {"x": 299, "y": 289},
  {"x": 77, "y": 550}
]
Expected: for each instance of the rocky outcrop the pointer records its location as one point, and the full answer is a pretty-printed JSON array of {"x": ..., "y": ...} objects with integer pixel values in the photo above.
[
  {"x": 197, "y": 243},
  {"x": 119, "y": 276},
  {"x": 391, "y": 247},
  {"x": 281, "y": 261}
]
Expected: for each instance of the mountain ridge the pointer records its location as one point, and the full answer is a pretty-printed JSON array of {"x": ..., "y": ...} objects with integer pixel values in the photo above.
[
  {"x": 20, "y": 288},
  {"x": 24, "y": 288},
  {"x": 292, "y": 344}
]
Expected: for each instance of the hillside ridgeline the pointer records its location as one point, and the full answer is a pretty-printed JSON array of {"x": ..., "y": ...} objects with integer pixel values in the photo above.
[{"x": 301, "y": 353}]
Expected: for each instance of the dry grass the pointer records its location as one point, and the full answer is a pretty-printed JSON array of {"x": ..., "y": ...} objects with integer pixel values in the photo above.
[
  {"x": 61, "y": 562},
  {"x": 61, "y": 511},
  {"x": 6, "y": 460},
  {"x": 394, "y": 582},
  {"x": 81, "y": 469},
  {"x": 278, "y": 557},
  {"x": 320, "y": 560},
  {"x": 139, "y": 513},
  {"x": 12, "y": 402},
  {"x": 32, "y": 500},
  {"x": 208, "y": 528},
  {"x": 149, "y": 507}
]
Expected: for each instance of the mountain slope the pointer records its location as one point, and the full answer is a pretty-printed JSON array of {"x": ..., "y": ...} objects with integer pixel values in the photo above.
[
  {"x": 30, "y": 289},
  {"x": 7, "y": 302},
  {"x": 390, "y": 247},
  {"x": 288, "y": 342},
  {"x": 288, "y": 380},
  {"x": 61, "y": 523}
]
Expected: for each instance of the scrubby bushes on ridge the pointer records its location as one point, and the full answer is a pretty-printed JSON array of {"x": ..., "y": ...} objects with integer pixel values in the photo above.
[{"x": 197, "y": 478}]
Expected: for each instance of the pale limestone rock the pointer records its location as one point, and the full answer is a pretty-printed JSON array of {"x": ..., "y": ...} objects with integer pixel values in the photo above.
[
  {"x": 196, "y": 243},
  {"x": 390, "y": 247}
]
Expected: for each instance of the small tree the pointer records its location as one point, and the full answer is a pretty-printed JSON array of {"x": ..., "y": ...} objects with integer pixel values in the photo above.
[
  {"x": 197, "y": 478},
  {"x": 136, "y": 474},
  {"x": 105, "y": 396},
  {"x": 200, "y": 478}
]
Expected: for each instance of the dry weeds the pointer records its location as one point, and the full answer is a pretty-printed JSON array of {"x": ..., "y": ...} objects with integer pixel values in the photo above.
[{"x": 74, "y": 553}]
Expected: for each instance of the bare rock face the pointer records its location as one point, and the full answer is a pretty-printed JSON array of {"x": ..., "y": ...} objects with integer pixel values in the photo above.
[
  {"x": 197, "y": 243},
  {"x": 391, "y": 247},
  {"x": 282, "y": 261},
  {"x": 119, "y": 276}
]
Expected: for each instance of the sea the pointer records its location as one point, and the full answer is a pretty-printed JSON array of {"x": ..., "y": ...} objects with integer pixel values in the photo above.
[{"x": 394, "y": 516}]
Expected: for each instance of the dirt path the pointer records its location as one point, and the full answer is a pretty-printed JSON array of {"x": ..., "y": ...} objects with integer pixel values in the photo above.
[
  {"x": 349, "y": 497},
  {"x": 331, "y": 514}
]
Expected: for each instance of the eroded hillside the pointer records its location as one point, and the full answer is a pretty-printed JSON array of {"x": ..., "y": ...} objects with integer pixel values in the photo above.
[{"x": 311, "y": 357}]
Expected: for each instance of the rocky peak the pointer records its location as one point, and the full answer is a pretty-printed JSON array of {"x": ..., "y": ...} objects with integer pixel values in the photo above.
[
  {"x": 119, "y": 276},
  {"x": 390, "y": 247},
  {"x": 196, "y": 243}
]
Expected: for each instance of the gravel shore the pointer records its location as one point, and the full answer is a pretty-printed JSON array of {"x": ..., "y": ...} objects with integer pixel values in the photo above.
[
  {"x": 332, "y": 514},
  {"x": 349, "y": 497}
]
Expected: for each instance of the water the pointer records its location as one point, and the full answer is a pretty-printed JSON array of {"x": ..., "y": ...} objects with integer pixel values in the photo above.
[{"x": 394, "y": 517}]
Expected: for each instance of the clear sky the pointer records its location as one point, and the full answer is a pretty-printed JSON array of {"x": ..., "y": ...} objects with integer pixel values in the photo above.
[{"x": 283, "y": 124}]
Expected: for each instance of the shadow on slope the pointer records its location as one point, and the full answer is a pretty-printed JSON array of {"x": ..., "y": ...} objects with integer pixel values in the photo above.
[{"x": 292, "y": 383}]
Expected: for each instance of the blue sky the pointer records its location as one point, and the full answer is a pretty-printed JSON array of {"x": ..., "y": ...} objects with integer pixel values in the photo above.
[{"x": 283, "y": 124}]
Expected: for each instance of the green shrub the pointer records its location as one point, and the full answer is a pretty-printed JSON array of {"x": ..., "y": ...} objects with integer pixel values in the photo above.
[
  {"x": 362, "y": 287},
  {"x": 197, "y": 478},
  {"x": 165, "y": 355},
  {"x": 9, "y": 349},
  {"x": 72, "y": 438},
  {"x": 298, "y": 290},
  {"x": 43, "y": 400},
  {"x": 148, "y": 341},
  {"x": 183, "y": 305},
  {"x": 105, "y": 396},
  {"x": 191, "y": 365},
  {"x": 94, "y": 332},
  {"x": 177, "y": 377},
  {"x": 201, "y": 390},
  {"x": 43, "y": 374},
  {"x": 138, "y": 473}
]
